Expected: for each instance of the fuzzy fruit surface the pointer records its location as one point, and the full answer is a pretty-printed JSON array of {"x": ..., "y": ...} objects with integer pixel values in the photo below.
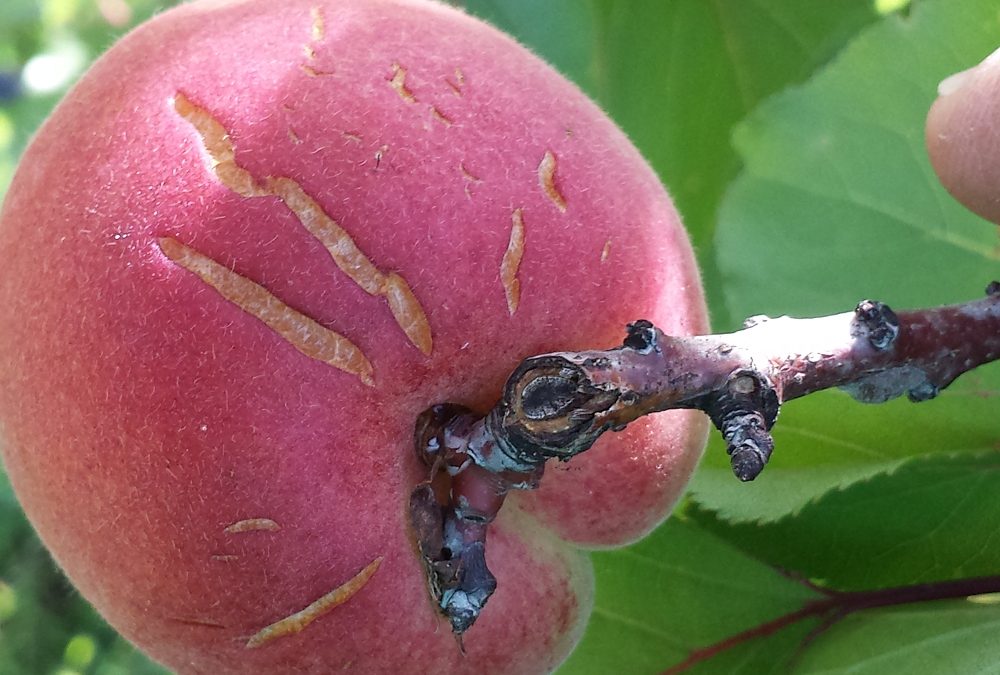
[{"x": 143, "y": 413}]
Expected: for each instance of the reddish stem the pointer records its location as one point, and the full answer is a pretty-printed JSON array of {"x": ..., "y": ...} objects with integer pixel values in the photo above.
[{"x": 839, "y": 605}]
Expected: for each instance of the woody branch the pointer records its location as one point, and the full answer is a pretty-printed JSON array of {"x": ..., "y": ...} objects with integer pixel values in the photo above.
[{"x": 557, "y": 405}]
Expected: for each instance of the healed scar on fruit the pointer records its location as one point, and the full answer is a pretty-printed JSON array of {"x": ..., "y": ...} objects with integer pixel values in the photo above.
[
  {"x": 405, "y": 308},
  {"x": 512, "y": 262},
  {"x": 317, "y": 33},
  {"x": 318, "y": 24},
  {"x": 547, "y": 180},
  {"x": 313, "y": 72},
  {"x": 398, "y": 84},
  {"x": 440, "y": 116},
  {"x": 456, "y": 85},
  {"x": 252, "y": 525},
  {"x": 295, "y": 623},
  {"x": 306, "y": 335},
  {"x": 469, "y": 178}
]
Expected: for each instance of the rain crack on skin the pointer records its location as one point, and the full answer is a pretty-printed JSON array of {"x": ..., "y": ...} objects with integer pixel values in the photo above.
[
  {"x": 306, "y": 335},
  {"x": 440, "y": 116},
  {"x": 295, "y": 623},
  {"x": 606, "y": 251},
  {"x": 547, "y": 181},
  {"x": 406, "y": 309},
  {"x": 317, "y": 33},
  {"x": 512, "y": 262},
  {"x": 253, "y": 524},
  {"x": 313, "y": 72},
  {"x": 457, "y": 83},
  {"x": 470, "y": 179},
  {"x": 318, "y": 24},
  {"x": 398, "y": 84}
]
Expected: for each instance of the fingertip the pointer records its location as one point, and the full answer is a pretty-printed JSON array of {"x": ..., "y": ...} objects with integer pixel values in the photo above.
[{"x": 963, "y": 136}]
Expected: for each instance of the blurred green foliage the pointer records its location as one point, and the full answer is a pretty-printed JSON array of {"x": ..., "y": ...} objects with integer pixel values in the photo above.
[{"x": 685, "y": 79}]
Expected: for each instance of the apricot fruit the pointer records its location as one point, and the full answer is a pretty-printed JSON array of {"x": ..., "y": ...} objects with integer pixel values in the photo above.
[{"x": 242, "y": 256}]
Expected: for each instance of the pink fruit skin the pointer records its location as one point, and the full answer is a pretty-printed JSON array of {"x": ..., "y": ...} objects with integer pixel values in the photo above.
[{"x": 142, "y": 413}]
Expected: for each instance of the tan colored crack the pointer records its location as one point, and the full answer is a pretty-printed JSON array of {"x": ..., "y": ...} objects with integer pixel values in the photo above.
[
  {"x": 406, "y": 310},
  {"x": 606, "y": 251},
  {"x": 314, "y": 72},
  {"x": 547, "y": 181},
  {"x": 398, "y": 84},
  {"x": 225, "y": 557},
  {"x": 297, "y": 622},
  {"x": 403, "y": 304},
  {"x": 405, "y": 307},
  {"x": 317, "y": 33},
  {"x": 470, "y": 179},
  {"x": 457, "y": 82},
  {"x": 252, "y": 525},
  {"x": 305, "y": 334},
  {"x": 216, "y": 141},
  {"x": 512, "y": 262},
  {"x": 440, "y": 116},
  {"x": 318, "y": 24},
  {"x": 468, "y": 175}
]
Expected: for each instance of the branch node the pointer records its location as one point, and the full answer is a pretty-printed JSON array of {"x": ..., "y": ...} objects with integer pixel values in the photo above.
[
  {"x": 744, "y": 412},
  {"x": 923, "y": 392},
  {"x": 641, "y": 337},
  {"x": 875, "y": 322},
  {"x": 547, "y": 411}
]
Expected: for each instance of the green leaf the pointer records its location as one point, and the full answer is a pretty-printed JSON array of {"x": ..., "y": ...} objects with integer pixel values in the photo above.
[
  {"x": 932, "y": 520},
  {"x": 838, "y": 200},
  {"x": 837, "y": 203},
  {"x": 688, "y": 588},
  {"x": 677, "y": 590},
  {"x": 947, "y": 637}
]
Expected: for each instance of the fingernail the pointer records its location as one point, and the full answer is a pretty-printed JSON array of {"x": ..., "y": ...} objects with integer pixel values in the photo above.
[{"x": 953, "y": 83}]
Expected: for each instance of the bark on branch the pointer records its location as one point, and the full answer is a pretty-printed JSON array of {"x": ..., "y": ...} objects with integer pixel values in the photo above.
[{"x": 557, "y": 405}]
